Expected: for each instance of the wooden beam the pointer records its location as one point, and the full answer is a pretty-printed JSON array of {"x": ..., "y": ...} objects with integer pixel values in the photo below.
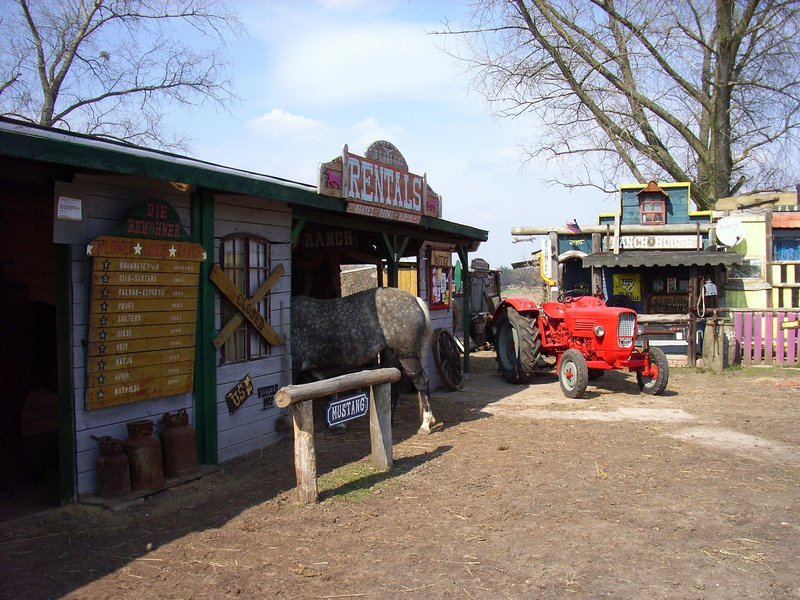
[
  {"x": 291, "y": 394},
  {"x": 300, "y": 398},
  {"x": 625, "y": 229}
]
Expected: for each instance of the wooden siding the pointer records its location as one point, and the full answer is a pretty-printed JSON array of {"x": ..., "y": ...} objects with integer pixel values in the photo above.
[
  {"x": 253, "y": 426},
  {"x": 107, "y": 201},
  {"x": 440, "y": 319},
  {"x": 679, "y": 205}
]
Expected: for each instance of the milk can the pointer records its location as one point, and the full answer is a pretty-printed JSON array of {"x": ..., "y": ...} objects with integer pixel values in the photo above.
[
  {"x": 144, "y": 453},
  {"x": 179, "y": 444},
  {"x": 113, "y": 474}
]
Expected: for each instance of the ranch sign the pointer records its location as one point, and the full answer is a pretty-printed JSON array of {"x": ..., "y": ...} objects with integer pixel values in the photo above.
[{"x": 346, "y": 408}]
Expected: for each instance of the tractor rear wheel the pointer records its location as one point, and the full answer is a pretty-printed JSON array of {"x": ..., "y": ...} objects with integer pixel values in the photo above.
[
  {"x": 517, "y": 344},
  {"x": 656, "y": 382},
  {"x": 573, "y": 375}
]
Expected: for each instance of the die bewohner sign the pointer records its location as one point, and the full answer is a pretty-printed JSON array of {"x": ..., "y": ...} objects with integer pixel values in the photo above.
[
  {"x": 143, "y": 308},
  {"x": 379, "y": 185}
]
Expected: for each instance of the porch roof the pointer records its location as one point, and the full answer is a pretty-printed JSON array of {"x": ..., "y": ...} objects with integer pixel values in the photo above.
[{"x": 662, "y": 258}]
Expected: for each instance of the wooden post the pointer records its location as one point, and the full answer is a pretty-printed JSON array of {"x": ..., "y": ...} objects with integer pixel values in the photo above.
[
  {"x": 597, "y": 272},
  {"x": 691, "y": 350},
  {"x": 380, "y": 426},
  {"x": 553, "y": 241},
  {"x": 305, "y": 455}
]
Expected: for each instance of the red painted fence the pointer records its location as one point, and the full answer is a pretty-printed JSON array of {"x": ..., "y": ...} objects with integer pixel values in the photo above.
[{"x": 768, "y": 337}]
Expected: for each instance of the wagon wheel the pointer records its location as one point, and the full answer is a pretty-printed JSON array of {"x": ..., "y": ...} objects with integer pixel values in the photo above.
[{"x": 448, "y": 359}]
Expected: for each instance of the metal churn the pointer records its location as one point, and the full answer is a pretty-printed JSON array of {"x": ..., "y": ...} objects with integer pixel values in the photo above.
[
  {"x": 113, "y": 471},
  {"x": 179, "y": 444},
  {"x": 144, "y": 453}
]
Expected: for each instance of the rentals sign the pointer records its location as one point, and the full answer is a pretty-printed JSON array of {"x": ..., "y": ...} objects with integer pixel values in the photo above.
[
  {"x": 383, "y": 191},
  {"x": 379, "y": 185}
]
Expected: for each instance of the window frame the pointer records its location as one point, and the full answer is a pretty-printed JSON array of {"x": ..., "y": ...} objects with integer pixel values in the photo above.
[
  {"x": 661, "y": 213},
  {"x": 245, "y": 343}
]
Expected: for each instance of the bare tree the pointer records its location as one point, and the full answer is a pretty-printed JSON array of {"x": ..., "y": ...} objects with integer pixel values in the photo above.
[
  {"x": 705, "y": 91},
  {"x": 113, "y": 67}
]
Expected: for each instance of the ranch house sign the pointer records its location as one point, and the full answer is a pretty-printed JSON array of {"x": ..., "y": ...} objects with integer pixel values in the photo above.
[
  {"x": 379, "y": 185},
  {"x": 143, "y": 309}
]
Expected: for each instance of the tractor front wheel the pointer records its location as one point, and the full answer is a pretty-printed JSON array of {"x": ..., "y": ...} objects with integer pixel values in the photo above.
[
  {"x": 517, "y": 344},
  {"x": 654, "y": 381},
  {"x": 573, "y": 375}
]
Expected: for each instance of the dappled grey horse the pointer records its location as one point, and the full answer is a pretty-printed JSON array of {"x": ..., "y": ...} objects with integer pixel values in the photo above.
[{"x": 331, "y": 337}]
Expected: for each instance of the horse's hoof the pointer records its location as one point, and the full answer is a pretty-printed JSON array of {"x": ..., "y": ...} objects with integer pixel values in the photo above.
[{"x": 435, "y": 426}]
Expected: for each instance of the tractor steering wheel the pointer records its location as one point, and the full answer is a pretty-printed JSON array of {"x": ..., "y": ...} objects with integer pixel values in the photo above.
[{"x": 569, "y": 296}]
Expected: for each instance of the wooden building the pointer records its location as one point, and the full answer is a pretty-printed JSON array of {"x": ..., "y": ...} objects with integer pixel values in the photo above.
[
  {"x": 172, "y": 281},
  {"x": 768, "y": 239},
  {"x": 656, "y": 254}
]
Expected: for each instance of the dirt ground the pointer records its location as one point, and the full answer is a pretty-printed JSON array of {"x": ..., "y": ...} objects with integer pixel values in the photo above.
[{"x": 522, "y": 494}]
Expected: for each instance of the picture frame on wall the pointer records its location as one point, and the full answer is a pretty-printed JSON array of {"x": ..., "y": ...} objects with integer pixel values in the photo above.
[{"x": 440, "y": 279}]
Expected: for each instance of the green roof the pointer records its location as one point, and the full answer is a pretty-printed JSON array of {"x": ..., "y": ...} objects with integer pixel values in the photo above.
[{"x": 80, "y": 151}]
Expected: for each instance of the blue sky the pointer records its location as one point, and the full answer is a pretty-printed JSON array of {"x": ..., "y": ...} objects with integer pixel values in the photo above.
[{"x": 315, "y": 75}]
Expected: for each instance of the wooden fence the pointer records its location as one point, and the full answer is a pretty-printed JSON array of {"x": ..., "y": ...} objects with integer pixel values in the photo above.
[{"x": 768, "y": 336}]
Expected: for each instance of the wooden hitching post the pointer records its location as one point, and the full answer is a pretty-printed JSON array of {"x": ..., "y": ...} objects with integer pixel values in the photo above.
[
  {"x": 380, "y": 426},
  {"x": 300, "y": 397}
]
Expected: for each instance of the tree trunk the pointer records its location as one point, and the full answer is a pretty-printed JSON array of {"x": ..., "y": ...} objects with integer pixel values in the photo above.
[{"x": 721, "y": 129}]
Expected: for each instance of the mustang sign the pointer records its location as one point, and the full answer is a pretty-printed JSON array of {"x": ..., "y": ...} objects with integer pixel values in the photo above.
[{"x": 346, "y": 408}]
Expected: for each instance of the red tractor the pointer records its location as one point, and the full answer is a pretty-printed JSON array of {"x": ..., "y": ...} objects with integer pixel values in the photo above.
[{"x": 585, "y": 336}]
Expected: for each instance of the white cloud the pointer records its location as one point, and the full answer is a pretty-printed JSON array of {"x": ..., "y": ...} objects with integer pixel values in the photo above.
[
  {"x": 364, "y": 132},
  {"x": 278, "y": 124},
  {"x": 363, "y": 64},
  {"x": 346, "y": 5}
]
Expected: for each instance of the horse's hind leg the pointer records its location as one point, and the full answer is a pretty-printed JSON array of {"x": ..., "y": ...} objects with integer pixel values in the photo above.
[
  {"x": 414, "y": 370},
  {"x": 388, "y": 359}
]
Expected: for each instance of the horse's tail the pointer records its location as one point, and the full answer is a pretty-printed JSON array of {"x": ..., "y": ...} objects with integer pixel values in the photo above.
[{"x": 428, "y": 326}]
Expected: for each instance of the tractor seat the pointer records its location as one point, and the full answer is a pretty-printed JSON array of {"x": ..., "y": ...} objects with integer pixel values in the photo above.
[{"x": 554, "y": 310}]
